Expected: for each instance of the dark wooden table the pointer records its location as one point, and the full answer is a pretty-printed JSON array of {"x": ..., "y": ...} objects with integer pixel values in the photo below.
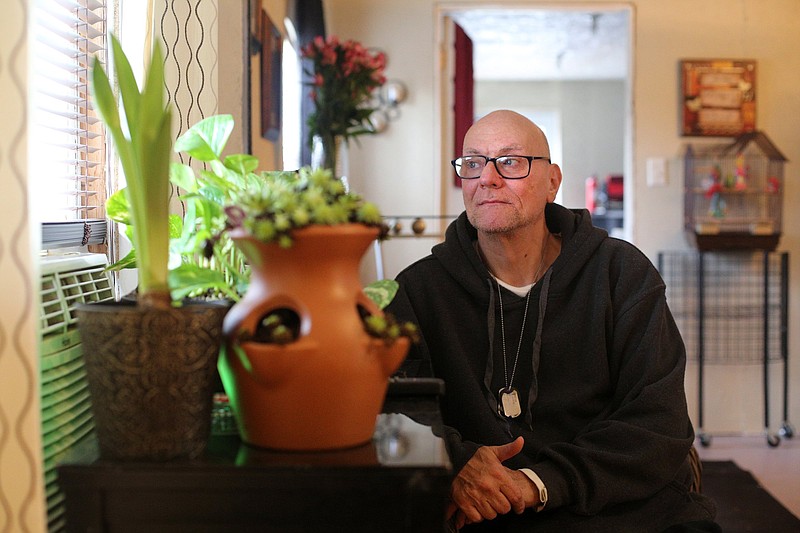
[{"x": 398, "y": 482}]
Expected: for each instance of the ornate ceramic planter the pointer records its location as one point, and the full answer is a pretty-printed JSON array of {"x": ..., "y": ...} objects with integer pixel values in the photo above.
[
  {"x": 150, "y": 374},
  {"x": 324, "y": 390}
]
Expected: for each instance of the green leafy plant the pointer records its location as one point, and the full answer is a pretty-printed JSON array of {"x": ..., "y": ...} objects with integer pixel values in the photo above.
[
  {"x": 203, "y": 263},
  {"x": 382, "y": 292},
  {"x": 210, "y": 264},
  {"x": 142, "y": 135}
]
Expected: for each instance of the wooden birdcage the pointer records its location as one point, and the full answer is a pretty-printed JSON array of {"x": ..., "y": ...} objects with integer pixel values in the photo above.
[{"x": 733, "y": 194}]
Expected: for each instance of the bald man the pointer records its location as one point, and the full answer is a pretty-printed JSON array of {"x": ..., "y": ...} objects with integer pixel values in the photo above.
[{"x": 563, "y": 367}]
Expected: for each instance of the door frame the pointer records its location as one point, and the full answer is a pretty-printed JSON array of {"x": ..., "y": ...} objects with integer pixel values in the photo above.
[{"x": 449, "y": 196}]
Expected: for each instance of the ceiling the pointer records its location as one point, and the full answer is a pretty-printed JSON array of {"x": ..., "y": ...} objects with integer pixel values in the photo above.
[{"x": 536, "y": 44}]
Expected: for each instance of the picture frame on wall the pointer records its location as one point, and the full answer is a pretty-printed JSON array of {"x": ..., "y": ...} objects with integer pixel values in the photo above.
[
  {"x": 718, "y": 97},
  {"x": 271, "y": 75},
  {"x": 255, "y": 25}
]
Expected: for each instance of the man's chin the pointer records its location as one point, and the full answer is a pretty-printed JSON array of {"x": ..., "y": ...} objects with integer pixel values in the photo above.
[
  {"x": 492, "y": 220},
  {"x": 492, "y": 227}
]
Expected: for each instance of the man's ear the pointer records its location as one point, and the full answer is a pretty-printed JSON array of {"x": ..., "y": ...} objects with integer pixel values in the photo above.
[{"x": 554, "y": 180}]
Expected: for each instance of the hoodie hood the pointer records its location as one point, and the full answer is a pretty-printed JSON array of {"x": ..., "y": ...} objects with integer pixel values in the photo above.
[{"x": 579, "y": 241}]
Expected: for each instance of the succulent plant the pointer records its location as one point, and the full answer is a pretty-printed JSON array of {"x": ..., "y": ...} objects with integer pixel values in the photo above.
[
  {"x": 288, "y": 201},
  {"x": 387, "y": 327}
]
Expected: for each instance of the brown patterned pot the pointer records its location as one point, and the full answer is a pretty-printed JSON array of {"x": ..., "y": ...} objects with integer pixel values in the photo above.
[
  {"x": 324, "y": 390},
  {"x": 150, "y": 374}
]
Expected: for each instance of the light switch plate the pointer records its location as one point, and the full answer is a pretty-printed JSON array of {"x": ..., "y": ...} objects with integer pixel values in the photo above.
[{"x": 656, "y": 172}]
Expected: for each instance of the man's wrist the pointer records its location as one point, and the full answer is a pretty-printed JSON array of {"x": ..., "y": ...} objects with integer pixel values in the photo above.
[{"x": 540, "y": 487}]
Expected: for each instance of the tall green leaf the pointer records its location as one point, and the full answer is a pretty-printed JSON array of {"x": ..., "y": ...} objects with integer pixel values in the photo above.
[
  {"x": 128, "y": 88},
  {"x": 144, "y": 147}
]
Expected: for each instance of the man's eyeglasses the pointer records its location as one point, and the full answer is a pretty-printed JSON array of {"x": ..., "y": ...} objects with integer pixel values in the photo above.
[{"x": 510, "y": 167}]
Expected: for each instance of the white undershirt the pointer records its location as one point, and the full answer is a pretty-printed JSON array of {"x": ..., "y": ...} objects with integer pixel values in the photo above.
[{"x": 519, "y": 291}]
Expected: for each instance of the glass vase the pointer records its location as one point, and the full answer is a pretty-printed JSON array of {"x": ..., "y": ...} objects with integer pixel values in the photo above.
[{"x": 330, "y": 151}]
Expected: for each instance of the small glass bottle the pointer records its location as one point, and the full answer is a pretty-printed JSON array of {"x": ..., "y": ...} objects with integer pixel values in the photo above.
[{"x": 222, "y": 419}]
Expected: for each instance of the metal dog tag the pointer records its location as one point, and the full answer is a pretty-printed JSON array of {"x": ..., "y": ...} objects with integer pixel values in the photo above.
[{"x": 509, "y": 403}]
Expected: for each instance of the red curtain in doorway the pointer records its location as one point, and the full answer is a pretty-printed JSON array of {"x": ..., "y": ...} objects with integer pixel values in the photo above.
[{"x": 463, "y": 98}]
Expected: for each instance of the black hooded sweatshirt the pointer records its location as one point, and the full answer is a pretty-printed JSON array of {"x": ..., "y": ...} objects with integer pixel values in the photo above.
[{"x": 600, "y": 376}]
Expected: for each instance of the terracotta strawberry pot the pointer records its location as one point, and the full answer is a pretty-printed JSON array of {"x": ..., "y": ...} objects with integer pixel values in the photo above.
[{"x": 325, "y": 390}]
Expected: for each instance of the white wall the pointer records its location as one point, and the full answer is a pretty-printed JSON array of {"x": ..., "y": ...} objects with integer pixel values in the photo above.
[{"x": 665, "y": 32}]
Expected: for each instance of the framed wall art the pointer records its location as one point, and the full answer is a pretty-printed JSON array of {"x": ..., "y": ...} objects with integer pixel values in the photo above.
[
  {"x": 271, "y": 74},
  {"x": 718, "y": 97},
  {"x": 255, "y": 24}
]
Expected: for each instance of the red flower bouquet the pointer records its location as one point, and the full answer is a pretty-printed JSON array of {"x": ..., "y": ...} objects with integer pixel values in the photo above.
[{"x": 344, "y": 77}]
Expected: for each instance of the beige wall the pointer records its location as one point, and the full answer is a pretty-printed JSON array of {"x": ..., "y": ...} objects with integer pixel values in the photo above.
[{"x": 664, "y": 33}]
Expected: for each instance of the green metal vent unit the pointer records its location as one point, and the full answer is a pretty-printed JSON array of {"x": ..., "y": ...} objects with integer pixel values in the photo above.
[{"x": 67, "y": 425}]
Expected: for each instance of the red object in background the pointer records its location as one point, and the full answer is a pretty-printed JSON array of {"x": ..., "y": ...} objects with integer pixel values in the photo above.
[
  {"x": 591, "y": 193},
  {"x": 614, "y": 187},
  {"x": 463, "y": 105}
]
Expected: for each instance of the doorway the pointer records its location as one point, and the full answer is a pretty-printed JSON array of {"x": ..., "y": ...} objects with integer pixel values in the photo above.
[{"x": 569, "y": 69}]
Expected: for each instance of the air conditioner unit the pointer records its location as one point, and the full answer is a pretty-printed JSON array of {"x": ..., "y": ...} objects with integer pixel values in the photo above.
[{"x": 67, "y": 425}]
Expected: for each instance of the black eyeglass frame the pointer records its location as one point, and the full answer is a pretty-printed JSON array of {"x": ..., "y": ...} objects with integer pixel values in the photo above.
[{"x": 529, "y": 158}]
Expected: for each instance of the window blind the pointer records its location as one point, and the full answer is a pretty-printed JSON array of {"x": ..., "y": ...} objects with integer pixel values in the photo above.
[{"x": 67, "y": 142}]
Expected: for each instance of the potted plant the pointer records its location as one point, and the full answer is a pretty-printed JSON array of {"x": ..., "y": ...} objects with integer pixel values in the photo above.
[
  {"x": 307, "y": 354},
  {"x": 150, "y": 362},
  {"x": 203, "y": 262}
]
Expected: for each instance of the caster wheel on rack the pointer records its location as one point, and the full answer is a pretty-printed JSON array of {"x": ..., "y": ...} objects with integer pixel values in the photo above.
[
  {"x": 773, "y": 440},
  {"x": 786, "y": 431},
  {"x": 705, "y": 440}
]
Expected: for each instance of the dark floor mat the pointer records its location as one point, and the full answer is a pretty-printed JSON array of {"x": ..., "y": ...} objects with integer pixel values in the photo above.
[{"x": 742, "y": 504}]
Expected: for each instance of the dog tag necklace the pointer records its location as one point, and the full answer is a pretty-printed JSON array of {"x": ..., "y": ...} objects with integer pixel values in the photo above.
[
  {"x": 508, "y": 398},
  {"x": 508, "y": 404}
]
